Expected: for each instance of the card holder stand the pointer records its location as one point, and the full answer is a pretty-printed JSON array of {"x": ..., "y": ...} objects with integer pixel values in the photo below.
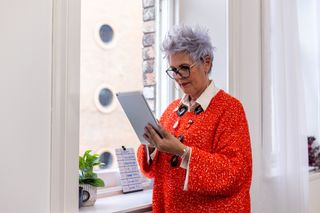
[{"x": 130, "y": 176}]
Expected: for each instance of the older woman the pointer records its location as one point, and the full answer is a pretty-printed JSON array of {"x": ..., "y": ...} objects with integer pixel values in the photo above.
[{"x": 202, "y": 161}]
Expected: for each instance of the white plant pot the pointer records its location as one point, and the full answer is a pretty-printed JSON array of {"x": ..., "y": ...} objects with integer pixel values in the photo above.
[{"x": 89, "y": 194}]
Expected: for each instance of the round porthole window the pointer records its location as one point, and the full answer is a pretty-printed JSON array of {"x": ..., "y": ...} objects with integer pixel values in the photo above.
[
  {"x": 106, "y": 33},
  {"x": 106, "y": 158},
  {"x": 104, "y": 98}
]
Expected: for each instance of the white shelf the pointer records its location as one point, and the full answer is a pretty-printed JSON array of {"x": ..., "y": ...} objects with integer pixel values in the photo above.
[{"x": 131, "y": 202}]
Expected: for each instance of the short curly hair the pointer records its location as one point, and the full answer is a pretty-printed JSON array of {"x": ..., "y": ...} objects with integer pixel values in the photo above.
[{"x": 194, "y": 41}]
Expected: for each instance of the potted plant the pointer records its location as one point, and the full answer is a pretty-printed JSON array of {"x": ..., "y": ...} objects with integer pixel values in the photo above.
[{"x": 88, "y": 179}]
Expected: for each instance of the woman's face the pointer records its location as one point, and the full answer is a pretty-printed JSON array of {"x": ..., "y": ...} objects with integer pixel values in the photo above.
[{"x": 198, "y": 80}]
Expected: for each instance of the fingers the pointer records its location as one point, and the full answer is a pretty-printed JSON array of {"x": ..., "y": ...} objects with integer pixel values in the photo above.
[
  {"x": 163, "y": 131},
  {"x": 149, "y": 133},
  {"x": 152, "y": 134},
  {"x": 151, "y": 143},
  {"x": 162, "y": 143}
]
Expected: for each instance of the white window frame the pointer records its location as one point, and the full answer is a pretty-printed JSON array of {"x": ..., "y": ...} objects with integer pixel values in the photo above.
[
  {"x": 65, "y": 106},
  {"x": 167, "y": 14},
  {"x": 245, "y": 75}
]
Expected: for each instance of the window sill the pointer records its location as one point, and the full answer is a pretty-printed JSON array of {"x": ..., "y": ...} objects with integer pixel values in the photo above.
[
  {"x": 131, "y": 202},
  {"x": 313, "y": 176}
]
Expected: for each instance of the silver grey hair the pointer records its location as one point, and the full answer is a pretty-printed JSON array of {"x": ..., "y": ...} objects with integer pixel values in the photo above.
[{"x": 194, "y": 41}]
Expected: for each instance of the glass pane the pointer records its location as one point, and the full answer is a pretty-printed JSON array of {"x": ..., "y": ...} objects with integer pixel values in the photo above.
[
  {"x": 105, "y": 97},
  {"x": 106, "y": 33}
]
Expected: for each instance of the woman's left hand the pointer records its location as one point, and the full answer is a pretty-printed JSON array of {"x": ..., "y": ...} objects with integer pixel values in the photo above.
[{"x": 168, "y": 143}]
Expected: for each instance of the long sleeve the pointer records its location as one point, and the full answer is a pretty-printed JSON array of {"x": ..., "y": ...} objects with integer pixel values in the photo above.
[
  {"x": 228, "y": 168},
  {"x": 146, "y": 168},
  {"x": 185, "y": 165}
]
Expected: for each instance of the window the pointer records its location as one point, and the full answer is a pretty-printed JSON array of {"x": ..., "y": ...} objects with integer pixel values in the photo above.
[
  {"x": 104, "y": 99},
  {"x": 106, "y": 33},
  {"x": 106, "y": 158},
  {"x": 117, "y": 48}
]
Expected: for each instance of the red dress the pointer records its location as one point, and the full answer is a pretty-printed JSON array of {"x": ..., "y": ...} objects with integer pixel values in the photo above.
[{"x": 220, "y": 166}]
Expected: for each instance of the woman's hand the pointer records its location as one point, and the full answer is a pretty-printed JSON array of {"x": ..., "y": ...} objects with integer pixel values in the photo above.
[{"x": 168, "y": 143}]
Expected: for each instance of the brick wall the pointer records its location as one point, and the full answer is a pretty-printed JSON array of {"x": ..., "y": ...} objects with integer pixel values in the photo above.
[{"x": 148, "y": 42}]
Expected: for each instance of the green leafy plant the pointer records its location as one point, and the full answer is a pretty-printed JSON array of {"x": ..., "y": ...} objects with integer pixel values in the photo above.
[{"x": 86, "y": 174}]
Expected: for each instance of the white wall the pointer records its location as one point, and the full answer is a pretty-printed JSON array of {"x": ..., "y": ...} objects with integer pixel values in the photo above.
[
  {"x": 213, "y": 15},
  {"x": 314, "y": 204},
  {"x": 25, "y": 110},
  {"x": 245, "y": 78}
]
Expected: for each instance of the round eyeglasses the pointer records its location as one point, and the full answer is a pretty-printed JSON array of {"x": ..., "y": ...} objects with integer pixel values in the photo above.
[{"x": 183, "y": 71}]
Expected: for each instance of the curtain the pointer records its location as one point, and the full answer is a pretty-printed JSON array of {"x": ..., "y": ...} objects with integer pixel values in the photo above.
[
  {"x": 309, "y": 34},
  {"x": 290, "y": 79}
]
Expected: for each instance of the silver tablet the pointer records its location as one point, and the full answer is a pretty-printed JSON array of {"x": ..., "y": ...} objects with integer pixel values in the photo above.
[{"x": 138, "y": 112}]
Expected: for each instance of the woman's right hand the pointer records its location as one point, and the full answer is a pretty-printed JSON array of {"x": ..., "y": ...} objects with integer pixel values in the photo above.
[{"x": 168, "y": 143}]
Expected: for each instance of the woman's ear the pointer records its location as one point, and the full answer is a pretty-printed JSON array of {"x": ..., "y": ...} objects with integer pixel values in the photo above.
[{"x": 207, "y": 63}]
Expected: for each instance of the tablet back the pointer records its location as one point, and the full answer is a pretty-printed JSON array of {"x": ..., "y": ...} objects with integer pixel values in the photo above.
[{"x": 138, "y": 112}]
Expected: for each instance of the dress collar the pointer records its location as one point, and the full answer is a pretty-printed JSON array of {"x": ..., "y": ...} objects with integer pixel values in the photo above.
[{"x": 203, "y": 100}]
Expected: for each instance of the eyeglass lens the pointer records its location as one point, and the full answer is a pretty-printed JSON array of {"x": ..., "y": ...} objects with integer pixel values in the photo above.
[{"x": 183, "y": 71}]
